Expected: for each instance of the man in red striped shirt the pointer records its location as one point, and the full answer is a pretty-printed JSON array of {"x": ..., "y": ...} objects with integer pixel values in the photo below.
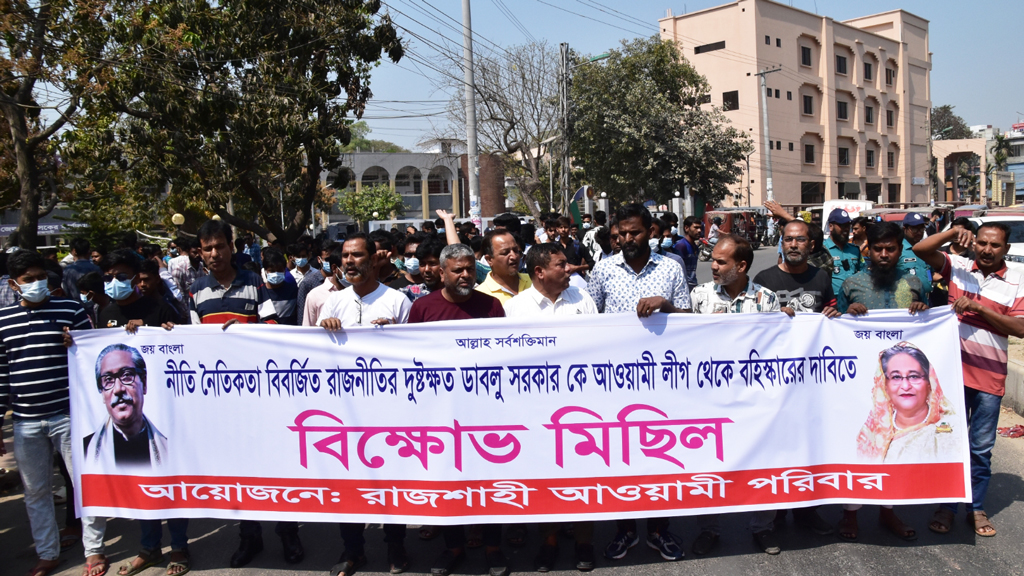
[{"x": 988, "y": 298}]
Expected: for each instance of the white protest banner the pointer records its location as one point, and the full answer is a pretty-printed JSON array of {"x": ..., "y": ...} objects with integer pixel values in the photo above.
[{"x": 588, "y": 417}]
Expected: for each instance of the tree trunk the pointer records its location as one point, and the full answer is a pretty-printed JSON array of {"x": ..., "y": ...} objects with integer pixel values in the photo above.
[{"x": 26, "y": 234}]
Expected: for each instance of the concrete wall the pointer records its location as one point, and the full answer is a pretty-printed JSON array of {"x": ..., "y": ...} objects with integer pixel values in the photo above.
[{"x": 1014, "y": 397}]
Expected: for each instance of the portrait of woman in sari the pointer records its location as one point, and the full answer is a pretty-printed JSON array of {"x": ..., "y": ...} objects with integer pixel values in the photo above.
[{"x": 911, "y": 420}]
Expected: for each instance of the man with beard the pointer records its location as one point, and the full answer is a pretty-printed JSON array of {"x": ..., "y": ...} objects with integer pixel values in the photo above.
[
  {"x": 846, "y": 258},
  {"x": 884, "y": 285},
  {"x": 367, "y": 302},
  {"x": 688, "y": 249},
  {"x": 457, "y": 300},
  {"x": 732, "y": 292},
  {"x": 188, "y": 267},
  {"x": 913, "y": 232},
  {"x": 503, "y": 254},
  {"x": 988, "y": 298},
  {"x": 799, "y": 286}
]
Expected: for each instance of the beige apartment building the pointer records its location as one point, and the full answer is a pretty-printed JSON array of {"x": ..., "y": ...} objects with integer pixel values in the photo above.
[{"x": 847, "y": 110}]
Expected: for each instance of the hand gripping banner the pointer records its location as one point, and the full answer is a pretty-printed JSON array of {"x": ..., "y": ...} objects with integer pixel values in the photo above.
[{"x": 588, "y": 417}]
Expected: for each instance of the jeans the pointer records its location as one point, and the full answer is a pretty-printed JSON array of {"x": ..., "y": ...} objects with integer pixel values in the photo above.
[
  {"x": 152, "y": 533},
  {"x": 34, "y": 444},
  {"x": 982, "y": 419}
]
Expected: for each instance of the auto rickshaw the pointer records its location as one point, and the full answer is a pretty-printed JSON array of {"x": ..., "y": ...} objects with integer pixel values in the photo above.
[{"x": 744, "y": 223}]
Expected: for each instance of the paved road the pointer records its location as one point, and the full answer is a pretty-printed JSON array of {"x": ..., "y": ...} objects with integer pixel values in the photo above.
[
  {"x": 877, "y": 552},
  {"x": 763, "y": 258}
]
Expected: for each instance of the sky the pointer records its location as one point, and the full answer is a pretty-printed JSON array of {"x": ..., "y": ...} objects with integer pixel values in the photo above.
[{"x": 973, "y": 49}]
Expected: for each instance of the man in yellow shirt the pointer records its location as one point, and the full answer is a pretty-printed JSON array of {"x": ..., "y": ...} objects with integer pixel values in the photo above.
[{"x": 503, "y": 254}]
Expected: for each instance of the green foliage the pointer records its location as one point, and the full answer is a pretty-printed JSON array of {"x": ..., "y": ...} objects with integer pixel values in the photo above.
[
  {"x": 1000, "y": 151},
  {"x": 948, "y": 126},
  {"x": 362, "y": 204},
  {"x": 639, "y": 132},
  {"x": 246, "y": 101},
  {"x": 360, "y": 142}
]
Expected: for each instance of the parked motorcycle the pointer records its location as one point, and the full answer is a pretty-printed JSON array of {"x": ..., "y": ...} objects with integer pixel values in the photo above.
[{"x": 705, "y": 250}]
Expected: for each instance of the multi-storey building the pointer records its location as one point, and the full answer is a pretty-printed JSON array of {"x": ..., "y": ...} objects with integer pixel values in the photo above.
[{"x": 847, "y": 110}]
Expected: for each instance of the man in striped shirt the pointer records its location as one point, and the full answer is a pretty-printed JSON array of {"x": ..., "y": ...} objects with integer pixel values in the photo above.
[
  {"x": 34, "y": 384},
  {"x": 988, "y": 298}
]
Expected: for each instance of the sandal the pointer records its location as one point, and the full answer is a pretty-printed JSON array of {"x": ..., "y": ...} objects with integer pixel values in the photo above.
[
  {"x": 103, "y": 564},
  {"x": 848, "y": 529},
  {"x": 429, "y": 532},
  {"x": 68, "y": 538},
  {"x": 979, "y": 521},
  {"x": 181, "y": 563},
  {"x": 149, "y": 558},
  {"x": 348, "y": 565},
  {"x": 889, "y": 520},
  {"x": 942, "y": 521},
  {"x": 44, "y": 567}
]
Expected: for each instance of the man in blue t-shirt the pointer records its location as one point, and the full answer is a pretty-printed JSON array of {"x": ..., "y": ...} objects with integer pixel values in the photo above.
[
  {"x": 688, "y": 249},
  {"x": 282, "y": 287}
]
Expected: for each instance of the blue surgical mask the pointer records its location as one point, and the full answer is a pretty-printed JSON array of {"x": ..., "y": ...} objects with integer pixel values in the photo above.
[
  {"x": 301, "y": 262},
  {"x": 327, "y": 266},
  {"x": 85, "y": 298},
  {"x": 586, "y": 225},
  {"x": 666, "y": 243},
  {"x": 118, "y": 289},
  {"x": 440, "y": 230},
  {"x": 412, "y": 266},
  {"x": 173, "y": 251},
  {"x": 275, "y": 278},
  {"x": 675, "y": 231},
  {"x": 35, "y": 292},
  {"x": 399, "y": 263}
]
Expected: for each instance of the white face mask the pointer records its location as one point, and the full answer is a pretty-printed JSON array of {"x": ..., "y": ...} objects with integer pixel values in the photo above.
[
  {"x": 35, "y": 292},
  {"x": 654, "y": 243}
]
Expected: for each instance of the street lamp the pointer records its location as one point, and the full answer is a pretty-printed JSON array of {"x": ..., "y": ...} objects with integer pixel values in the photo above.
[{"x": 177, "y": 219}]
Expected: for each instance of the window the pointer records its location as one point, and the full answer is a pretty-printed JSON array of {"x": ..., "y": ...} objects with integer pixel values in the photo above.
[
  {"x": 805, "y": 55},
  {"x": 778, "y": 145},
  {"x": 890, "y": 118},
  {"x": 844, "y": 156},
  {"x": 808, "y": 105},
  {"x": 705, "y": 99},
  {"x": 894, "y": 193},
  {"x": 789, "y": 95},
  {"x": 790, "y": 146},
  {"x": 770, "y": 145},
  {"x": 841, "y": 65},
  {"x": 808, "y": 153},
  {"x": 890, "y": 159},
  {"x": 890, "y": 75},
  {"x": 868, "y": 71},
  {"x": 778, "y": 42},
  {"x": 769, "y": 92},
  {"x": 731, "y": 100},
  {"x": 777, "y": 94},
  {"x": 709, "y": 47},
  {"x": 841, "y": 111},
  {"x": 869, "y": 114},
  {"x": 768, "y": 40},
  {"x": 1017, "y": 150},
  {"x": 871, "y": 158}
]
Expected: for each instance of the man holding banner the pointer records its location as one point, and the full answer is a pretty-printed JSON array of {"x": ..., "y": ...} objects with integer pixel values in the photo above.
[{"x": 988, "y": 298}]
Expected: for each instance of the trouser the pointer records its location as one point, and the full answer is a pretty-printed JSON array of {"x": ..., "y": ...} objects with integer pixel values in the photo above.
[
  {"x": 654, "y": 525},
  {"x": 855, "y": 507},
  {"x": 982, "y": 419},
  {"x": 152, "y": 533},
  {"x": 252, "y": 528},
  {"x": 583, "y": 532},
  {"x": 455, "y": 536},
  {"x": 352, "y": 536},
  {"x": 760, "y": 521},
  {"x": 34, "y": 444},
  {"x": 70, "y": 520}
]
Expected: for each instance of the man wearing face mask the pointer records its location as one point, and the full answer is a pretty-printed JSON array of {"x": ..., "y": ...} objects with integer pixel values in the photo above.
[
  {"x": 411, "y": 273},
  {"x": 300, "y": 257},
  {"x": 282, "y": 290},
  {"x": 662, "y": 244},
  {"x": 128, "y": 308},
  {"x": 428, "y": 255},
  {"x": 34, "y": 383},
  {"x": 314, "y": 301}
]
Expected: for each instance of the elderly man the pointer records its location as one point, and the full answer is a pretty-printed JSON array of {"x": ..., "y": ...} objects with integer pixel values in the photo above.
[
  {"x": 456, "y": 300},
  {"x": 732, "y": 292},
  {"x": 882, "y": 287},
  {"x": 502, "y": 252},
  {"x": 367, "y": 302},
  {"x": 550, "y": 294},
  {"x": 846, "y": 258},
  {"x": 638, "y": 280},
  {"x": 988, "y": 298},
  {"x": 34, "y": 384}
]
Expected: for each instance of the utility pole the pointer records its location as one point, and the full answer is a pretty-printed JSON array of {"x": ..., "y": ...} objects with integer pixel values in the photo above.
[
  {"x": 767, "y": 137},
  {"x": 563, "y": 108},
  {"x": 749, "y": 205},
  {"x": 473, "y": 162}
]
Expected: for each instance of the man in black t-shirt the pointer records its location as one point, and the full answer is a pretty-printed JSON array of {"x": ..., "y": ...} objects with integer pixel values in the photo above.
[
  {"x": 128, "y": 308},
  {"x": 799, "y": 286}
]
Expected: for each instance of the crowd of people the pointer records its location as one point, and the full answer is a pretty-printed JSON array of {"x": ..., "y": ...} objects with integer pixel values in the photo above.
[{"x": 634, "y": 263}]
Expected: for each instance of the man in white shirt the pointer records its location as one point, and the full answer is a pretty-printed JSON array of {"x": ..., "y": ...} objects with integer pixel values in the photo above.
[
  {"x": 551, "y": 293},
  {"x": 366, "y": 302}
]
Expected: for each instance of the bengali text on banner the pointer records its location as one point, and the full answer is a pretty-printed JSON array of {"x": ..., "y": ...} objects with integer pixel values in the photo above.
[{"x": 515, "y": 420}]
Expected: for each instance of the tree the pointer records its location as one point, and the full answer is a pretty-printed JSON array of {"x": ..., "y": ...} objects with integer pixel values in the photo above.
[
  {"x": 516, "y": 96},
  {"x": 371, "y": 203},
  {"x": 1000, "y": 151},
  {"x": 360, "y": 143},
  {"x": 948, "y": 126},
  {"x": 244, "y": 102},
  {"x": 639, "y": 131},
  {"x": 47, "y": 46}
]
